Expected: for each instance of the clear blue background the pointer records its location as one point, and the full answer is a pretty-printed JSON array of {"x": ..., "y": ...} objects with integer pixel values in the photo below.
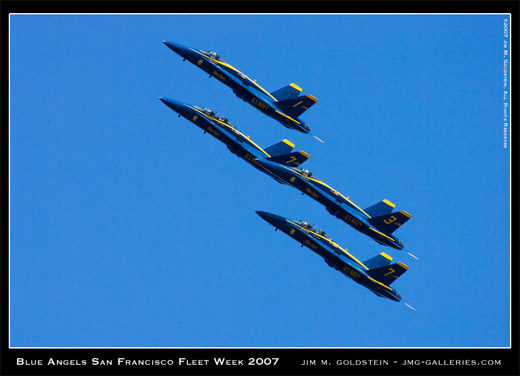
[{"x": 130, "y": 227}]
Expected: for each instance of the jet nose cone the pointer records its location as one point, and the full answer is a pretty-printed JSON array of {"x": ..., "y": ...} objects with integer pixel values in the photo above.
[
  {"x": 179, "y": 107},
  {"x": 273, "y": 219},
  {"x": 173, "y": 104},
  {"x": 264, "y": 215},
  {"x": 175, "y": 47},
  {"x": 164, "y": 100}
]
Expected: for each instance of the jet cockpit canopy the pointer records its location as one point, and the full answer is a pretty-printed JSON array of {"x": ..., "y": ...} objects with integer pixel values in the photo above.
[
  {"x": 216, "y": 115},
  {"x": 212, "y": 54},
  {"x": 224, "y": 119},
  {"x": 304, "y": 172},
  {"x": 209, "y": 112},
  {"x": 313, "y": 228}
]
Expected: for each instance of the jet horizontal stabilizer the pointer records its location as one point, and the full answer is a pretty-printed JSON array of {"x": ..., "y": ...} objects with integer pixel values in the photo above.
[
  {"x": 296, "y": 106},
  {"x": 388, "y": 274},
  {"x": 292, "y": 159},
  {"x": 388, "y": 223},
  {"x": 287, "y": 92},
  {"x": 282, "y": 147}
]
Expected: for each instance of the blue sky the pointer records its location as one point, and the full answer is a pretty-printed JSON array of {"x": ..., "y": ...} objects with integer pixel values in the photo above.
[{"x": 130, "y": 227}]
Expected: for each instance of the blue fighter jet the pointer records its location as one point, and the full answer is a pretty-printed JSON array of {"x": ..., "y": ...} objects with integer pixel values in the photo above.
[
  {"x": 283, "y": 105},
  {"x": 376, "y": 273},
  {"x": 377, "y": 221},
  {"x": 239, "y": 144}
]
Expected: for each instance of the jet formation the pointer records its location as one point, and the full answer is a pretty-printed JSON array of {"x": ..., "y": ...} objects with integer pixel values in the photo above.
[{"x": 281, "y": 163}]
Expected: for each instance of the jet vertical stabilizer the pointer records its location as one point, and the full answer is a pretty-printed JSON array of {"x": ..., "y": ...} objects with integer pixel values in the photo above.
[
  {"x": 292, "y": 159},
  {"x": 296, "y": 106},
  {"x": 388, "y": 223},
  {"x": 388, "y": 274}
]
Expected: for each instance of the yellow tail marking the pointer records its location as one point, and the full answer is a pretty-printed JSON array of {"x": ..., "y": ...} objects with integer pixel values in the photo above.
[
  {"x": 312, "y": 98},
  {"x": 294, "y": 86},
  {"x": 304, "y": 154},
  {"x": 288, "y": 143},
  {"x": 297, "y": 103},
  {"x": 389, "y": 203},
  {"x": 390, "y": 220},
  {"x": 406, "y": 214},
  {"x": 405, "y": 267},
  {"x": 386, "y": 256}
]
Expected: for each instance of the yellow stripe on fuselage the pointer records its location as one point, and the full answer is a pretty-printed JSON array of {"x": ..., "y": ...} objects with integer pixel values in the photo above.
[
  {"x": 236, "y": 70},
  {"x": 379, "y": 283},
  {"x": 357, "y": 207},
  {"x": 380, "y": 233},
  {"x": 288, "y": 117},
  {"x": 346, "y": 198},
  {"x": 330, "y": 242},
  {"x": 233, "y": 129}
]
